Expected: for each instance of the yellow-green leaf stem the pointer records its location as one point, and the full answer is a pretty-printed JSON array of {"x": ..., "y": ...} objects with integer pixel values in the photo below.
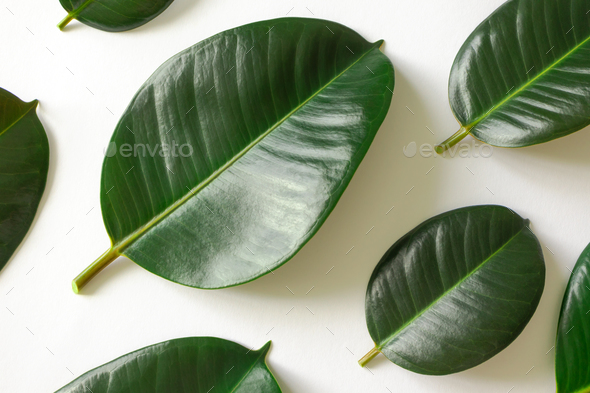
[
  {"x": 96, "y": 267},
  {"x": 452, "y": 141},
  {"x": 72, "y": 15},
  {"x": 369, "y": 356},
  {"x": 64, "y": 22}
]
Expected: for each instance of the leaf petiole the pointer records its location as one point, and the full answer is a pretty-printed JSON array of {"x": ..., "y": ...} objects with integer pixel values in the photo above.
[
  {"x": 96, "y": 267},
  {"x": 369, "y": 356},
  {"x": 73, "y": 14},
  {"x": 452, "y": 141},
  {"x": 64, "y": 22}
]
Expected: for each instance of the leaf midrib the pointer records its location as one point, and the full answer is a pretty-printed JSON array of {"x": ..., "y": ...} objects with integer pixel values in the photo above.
[
  {"x": 262, "y": 353},
  {"x": 127, "y": 240},
  {"x": 76, "y": 11},
  {"x": 520, "y": 89},
  {"x": 445, "y": 293}
]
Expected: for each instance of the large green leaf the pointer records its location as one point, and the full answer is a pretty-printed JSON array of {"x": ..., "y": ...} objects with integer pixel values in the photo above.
[
  {"x": 113, "y": 15},
  {"x": 272, "y": 120},
  {"x": 523, "y": 76},
  {"x": 455, "y": 291},
  {"x": 24, "y": 161},
  {"x": 572, "y": 355},
  {"x": 193, "y": 364}
]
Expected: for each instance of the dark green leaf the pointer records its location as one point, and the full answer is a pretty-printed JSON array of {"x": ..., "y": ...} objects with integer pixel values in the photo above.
[
  {"x": 113, "y": 15},
  {"x": 24, "y": 161},
  {"x": 572, "y": 355},
  {"x": 272, "y": 120},
  {"x": 193, "y": 364},
  {"x": 455, "y": 291},
  {"x": 523, "y": 76}
]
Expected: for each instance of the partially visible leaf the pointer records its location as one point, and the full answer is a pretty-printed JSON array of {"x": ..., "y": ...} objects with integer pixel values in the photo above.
[
  {"x": 113, "y": 15},
  {"x": 523, "y": 76},
  {"x": 233, "y": 154},
  {"x": 455, "y": 291},
  {"x": 24, "y": 161},
  {"x": 192, "y": 364},
  {"x": 572, "y": 348}
]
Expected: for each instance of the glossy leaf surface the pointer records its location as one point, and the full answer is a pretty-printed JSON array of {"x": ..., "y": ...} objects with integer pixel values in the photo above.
[
  {"x": 270, "y": 122},
  {"x": 455, "y": 290},
  {"x": 113, "y": 15},
  {"x": 523, "y": 76},
  {"x": 572, "y": 348},
  {"x": 24, "y": 161},
  {"x": 193, "y": 364}
]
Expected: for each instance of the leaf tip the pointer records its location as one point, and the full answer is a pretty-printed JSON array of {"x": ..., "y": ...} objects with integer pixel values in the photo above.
[
  {"x": 32, "y": 104},
  {"x": 265, "y": 348},
  {"x": 527, "y": 222}
]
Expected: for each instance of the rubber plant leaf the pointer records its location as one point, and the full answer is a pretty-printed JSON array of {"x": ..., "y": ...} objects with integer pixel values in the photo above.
[
  {"x": 192, "y": 364},
  {"x": 523, "y": 76},
  {"x": 235, "y": 151},
  {"x": 572, "y": 348},
  {"x": 24, "y": 162},
  {"x": 455, "y": 291},
  {"x": 112, "y": 15}
]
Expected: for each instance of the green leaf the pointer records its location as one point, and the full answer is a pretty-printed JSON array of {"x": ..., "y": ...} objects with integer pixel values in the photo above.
[
  {"x": 572, "y": 349},
  {"x": 112, "y": 15},
  {"x": 233, "y": 154},
  {"x": 455, "y": 290},
  {"x": 192, "y": 364},
  {"x": 24, "y": 161},
  {"x": 523, "y": 76}
]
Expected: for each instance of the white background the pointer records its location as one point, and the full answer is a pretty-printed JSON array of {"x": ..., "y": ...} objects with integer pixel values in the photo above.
[{"x": 49, "y": 335}]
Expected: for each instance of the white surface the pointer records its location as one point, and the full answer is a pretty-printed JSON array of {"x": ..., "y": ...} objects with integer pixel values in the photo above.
[{"x": 46, "y": 330}]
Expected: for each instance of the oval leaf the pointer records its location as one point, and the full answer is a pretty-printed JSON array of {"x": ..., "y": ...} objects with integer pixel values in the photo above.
[
  {"x": 572, "y": 354},
  {"x": 24, "y": 162},
  {"x": 112, "y": 15},
  {"x": 523, "y": 76},
  {"x": 233, "y": 154},
  {"x": 455, "y": 291},
  {"x": 192, "y": 364}
]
